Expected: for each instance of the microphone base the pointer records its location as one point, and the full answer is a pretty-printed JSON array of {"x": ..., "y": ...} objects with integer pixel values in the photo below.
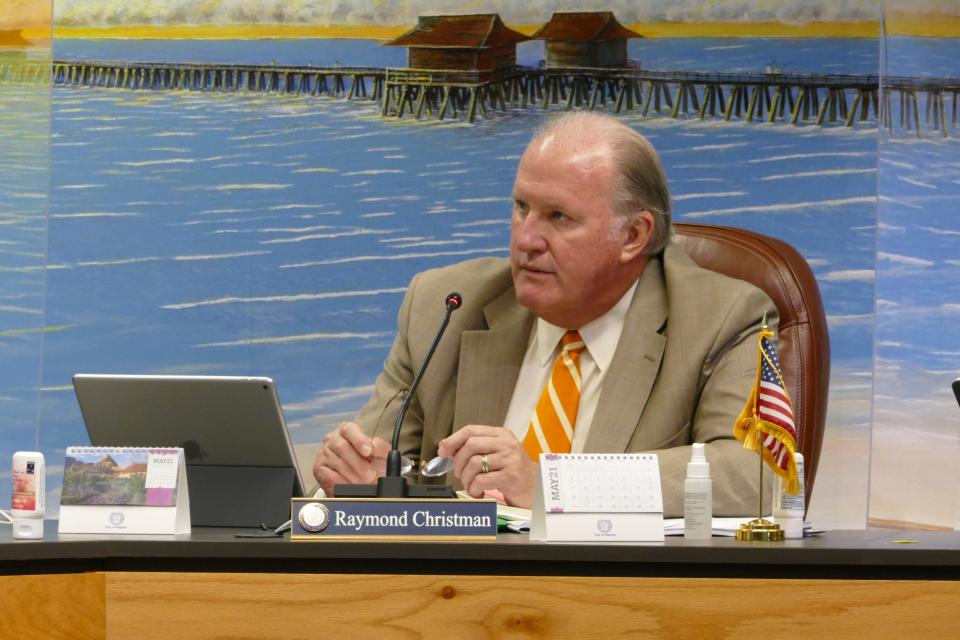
[
  {"x": 392, "y": 487},
  {"x": 396, "y": 488},
  {"x": 430, "y": 491}
]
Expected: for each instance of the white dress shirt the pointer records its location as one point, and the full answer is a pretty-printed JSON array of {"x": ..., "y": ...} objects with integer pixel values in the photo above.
[{"x": 600, "y": 336}]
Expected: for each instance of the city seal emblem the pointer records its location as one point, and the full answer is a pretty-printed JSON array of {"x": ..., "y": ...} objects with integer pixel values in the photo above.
[{"x": 314, "y": 517}]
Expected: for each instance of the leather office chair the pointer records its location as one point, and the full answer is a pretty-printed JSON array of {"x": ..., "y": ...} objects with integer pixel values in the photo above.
[{"x": 804, "y": 344}]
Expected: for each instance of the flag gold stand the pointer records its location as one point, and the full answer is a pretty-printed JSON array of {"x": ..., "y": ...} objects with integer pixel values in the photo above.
[{"x": 761, "y": 529}]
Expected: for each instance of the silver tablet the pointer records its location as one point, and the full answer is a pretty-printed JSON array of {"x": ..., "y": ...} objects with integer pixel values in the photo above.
[{"x": 231, "y": 429}]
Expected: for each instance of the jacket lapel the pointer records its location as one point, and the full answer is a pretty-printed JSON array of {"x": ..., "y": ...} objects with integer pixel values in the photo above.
[
  {"x": 490, "y": 362},
  {"x": 636, "y": 362}
]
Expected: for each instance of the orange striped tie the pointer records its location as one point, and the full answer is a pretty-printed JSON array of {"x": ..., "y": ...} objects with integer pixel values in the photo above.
[{"x": 551, "y": 429}]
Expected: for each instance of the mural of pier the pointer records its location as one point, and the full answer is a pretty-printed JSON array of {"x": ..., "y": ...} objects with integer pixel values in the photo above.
[
  {"x": 465, "y": 66},
  {"x": 417, "y": 93},
  {"x": 462, "y": 67}
]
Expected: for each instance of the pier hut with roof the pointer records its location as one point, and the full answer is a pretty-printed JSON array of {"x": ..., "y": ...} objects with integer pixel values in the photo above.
[
  {"x": 585, "y": 39},
  {"x": 478, "y": 43}
]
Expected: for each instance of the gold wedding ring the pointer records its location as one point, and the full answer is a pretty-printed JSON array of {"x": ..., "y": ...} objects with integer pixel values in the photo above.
[{"x": 484, "y": 464}]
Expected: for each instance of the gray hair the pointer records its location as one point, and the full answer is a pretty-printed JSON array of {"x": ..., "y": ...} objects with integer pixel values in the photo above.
[{"x": 642, "y": 183}]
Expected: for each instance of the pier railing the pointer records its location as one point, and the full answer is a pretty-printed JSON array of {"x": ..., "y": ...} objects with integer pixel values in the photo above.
[{"x": 433, "y": 76}]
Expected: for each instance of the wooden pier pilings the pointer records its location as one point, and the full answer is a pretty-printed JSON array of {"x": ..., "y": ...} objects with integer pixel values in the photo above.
[
  {"x": 347, "y": 82},
  {"x": 443, "y": 94},
  {"x": 24, "y": 72},
  {"x": 817, "y": 99},
  {"x": 773, "y": 97},
  {"x": 906, "y": 91}
]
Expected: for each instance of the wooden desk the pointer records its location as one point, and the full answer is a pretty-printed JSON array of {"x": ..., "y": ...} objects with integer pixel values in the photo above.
[{"x": 212, "y": 585}]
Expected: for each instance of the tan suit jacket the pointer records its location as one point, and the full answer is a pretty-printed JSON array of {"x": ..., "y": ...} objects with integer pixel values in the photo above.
[{"x": 681, "y": 373}]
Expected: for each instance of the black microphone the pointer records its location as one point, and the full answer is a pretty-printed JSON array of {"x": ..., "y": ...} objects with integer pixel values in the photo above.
[
  {"x": 453, "y": 302},
  {"x": 393, "y": 485}
]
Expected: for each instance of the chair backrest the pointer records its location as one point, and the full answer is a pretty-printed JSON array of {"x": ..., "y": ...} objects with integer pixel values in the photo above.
[{"x": 804, "y": 343}]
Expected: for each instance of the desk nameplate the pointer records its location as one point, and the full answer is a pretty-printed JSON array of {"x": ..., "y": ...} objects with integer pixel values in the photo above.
[{"x": 393, "y": 519}]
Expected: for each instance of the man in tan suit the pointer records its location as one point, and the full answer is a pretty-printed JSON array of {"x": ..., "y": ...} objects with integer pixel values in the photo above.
[{"x": 670, "y": 349}]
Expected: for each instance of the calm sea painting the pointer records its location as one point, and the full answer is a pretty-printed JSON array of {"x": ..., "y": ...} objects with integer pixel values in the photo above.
[
  {"x": 24, "y": 180},
  {"x": 251, "y": 234}
]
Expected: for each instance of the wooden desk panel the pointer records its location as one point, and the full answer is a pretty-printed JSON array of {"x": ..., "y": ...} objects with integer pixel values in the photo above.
[
  {"x": 68, "y": 606},
  {"x": 853, "y": 584},
  {"x": 149, "y": 606}
]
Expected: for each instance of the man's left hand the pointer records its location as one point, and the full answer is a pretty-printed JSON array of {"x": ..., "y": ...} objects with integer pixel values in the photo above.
[{"x": 509, "y": 469}]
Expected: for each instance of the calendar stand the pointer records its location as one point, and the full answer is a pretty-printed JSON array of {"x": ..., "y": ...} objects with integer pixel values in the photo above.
[
  {"x": 124, "y": 490},
  {"x": 598, "y": 498}
]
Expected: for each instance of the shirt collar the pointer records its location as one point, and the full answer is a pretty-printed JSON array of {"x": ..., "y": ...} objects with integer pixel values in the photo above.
[{"x": 601, "y": 335}]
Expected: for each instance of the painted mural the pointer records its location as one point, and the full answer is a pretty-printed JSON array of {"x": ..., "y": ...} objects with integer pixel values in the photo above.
[
  {"x": 916, "y": 420},
  {"x": 24, "y": 180},
  {"x": 246, "y": 188}
]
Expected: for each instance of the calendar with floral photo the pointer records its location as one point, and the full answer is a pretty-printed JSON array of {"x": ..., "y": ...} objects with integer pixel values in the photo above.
[{"x": 119, "y": 476}]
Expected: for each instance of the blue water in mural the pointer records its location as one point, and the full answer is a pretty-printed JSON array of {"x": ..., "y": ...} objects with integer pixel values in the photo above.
[
  {"x": 240, "y": 234},
  {"x": 24, "y": 178},
  {"x": 918, "y": 268}
]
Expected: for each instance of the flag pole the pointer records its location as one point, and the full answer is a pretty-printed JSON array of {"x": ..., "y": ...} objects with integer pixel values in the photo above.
[
  {"x": 760, "y": 529},
  {"x": 763, "y": 327},
  {"x": 760, "y": 505}
]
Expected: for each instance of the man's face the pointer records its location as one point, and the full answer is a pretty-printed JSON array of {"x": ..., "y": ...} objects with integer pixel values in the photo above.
[{"x": 566, "y": 246}]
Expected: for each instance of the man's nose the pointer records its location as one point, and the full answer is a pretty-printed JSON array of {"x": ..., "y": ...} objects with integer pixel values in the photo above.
[{"x": 528, "y": 235}]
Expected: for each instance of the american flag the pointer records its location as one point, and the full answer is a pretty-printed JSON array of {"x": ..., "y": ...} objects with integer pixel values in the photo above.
[
  {"x": 773, "y": 404},
  {"x": 766, "y": 422}
]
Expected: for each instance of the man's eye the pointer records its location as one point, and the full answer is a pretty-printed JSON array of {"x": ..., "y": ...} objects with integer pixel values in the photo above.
[
  {"x": 520, "y": 205},
  {"x": 559, "y": 215}
]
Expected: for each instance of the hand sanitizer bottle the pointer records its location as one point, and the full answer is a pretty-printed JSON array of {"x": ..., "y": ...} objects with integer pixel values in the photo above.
[
  {"x": 29, "y": 495},
  {"x": 787, "y": 509},
  {"x": 698, "y": 497}
]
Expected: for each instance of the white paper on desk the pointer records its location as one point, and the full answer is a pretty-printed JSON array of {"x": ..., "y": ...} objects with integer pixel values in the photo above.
[
  {"x": 721, "y": 527},
  {"x": 516, "y": 515}
]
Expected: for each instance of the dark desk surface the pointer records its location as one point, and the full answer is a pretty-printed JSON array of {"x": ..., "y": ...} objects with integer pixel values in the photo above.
[{"x": 870, "y": 554}]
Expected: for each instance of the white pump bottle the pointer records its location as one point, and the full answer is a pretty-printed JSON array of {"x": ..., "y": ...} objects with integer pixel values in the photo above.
[{"x": 698, "y": 497}]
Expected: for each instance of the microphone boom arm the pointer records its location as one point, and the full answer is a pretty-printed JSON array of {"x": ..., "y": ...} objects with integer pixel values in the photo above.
[{"x": 453, "y": 302}]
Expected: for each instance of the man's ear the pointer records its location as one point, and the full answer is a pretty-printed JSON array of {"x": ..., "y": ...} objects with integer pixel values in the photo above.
[{"x": 638, "y": 234}]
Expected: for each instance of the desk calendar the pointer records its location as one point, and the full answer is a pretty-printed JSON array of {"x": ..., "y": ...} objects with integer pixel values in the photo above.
[
  {"x": 598, "y": 498},
  {"x": 131, "y": 490}
]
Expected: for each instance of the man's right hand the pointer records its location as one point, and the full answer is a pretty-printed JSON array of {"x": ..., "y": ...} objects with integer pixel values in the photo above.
[{"x": 348, "y": 456}]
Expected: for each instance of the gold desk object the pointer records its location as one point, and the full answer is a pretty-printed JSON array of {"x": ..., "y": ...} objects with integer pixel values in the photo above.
[{"x": 760, "y": 530}]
